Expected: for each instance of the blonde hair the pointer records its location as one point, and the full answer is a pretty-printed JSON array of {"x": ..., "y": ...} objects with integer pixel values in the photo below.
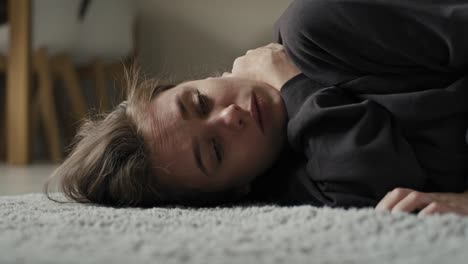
[{"x": 109, "y": 163}]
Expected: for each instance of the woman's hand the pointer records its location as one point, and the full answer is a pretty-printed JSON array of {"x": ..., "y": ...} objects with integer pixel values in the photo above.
[
  {"x": 408, "y": 200},
  {"x": 269, "y": 64}
]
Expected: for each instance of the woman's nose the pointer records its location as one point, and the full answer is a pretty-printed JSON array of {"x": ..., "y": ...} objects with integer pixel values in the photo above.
[{"x": 233, "y": 117}]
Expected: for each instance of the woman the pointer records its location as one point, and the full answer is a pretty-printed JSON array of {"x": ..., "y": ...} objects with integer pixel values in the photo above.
[{"x": 359, "y": 103}]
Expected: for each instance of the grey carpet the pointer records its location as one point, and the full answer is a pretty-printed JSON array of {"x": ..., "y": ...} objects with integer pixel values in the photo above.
[{"x": 36, "y": 230}]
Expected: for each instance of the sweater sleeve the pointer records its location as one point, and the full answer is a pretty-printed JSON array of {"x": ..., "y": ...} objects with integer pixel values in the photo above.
[
  {"x": 334, "y": 41},
  {"x": 354, "y": 150}
]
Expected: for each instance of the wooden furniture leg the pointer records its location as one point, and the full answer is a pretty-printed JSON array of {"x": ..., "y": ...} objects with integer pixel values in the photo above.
[
  {"x": 2, "y": 131},
  {"x": 2, "y": 114},
  {"x": 63, "y": 65},
  {"x": 35, "y": 113},
  {"x": 18, "y": 83},
  {"x": 47, "y": 103}
]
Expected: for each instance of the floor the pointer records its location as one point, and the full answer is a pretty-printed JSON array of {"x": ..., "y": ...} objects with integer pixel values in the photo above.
[{"x": 27, "y": 179}]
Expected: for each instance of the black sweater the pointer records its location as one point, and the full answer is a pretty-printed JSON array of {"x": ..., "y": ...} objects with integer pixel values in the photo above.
[{"x": 382, "y": 101}]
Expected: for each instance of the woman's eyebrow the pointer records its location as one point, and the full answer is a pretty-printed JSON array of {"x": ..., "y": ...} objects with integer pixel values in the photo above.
[{"x": 196, "y": 154}]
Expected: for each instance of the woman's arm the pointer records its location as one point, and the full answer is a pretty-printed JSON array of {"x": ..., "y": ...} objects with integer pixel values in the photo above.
[
  {"x": 355, "y": 150},
  {"x": 383, "y": 47},
  {"x": 333, "y": 41}
]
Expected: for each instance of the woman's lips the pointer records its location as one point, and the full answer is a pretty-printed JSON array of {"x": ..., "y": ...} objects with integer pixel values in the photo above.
[{"x": 256, "y": 112}]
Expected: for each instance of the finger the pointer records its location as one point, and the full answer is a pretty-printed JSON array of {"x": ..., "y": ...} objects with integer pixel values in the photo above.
[
  {"x": 249, "y": 51},
  {"x": 392, "y": 198},
  {"x": 435, "y": 208},
  {"x": 236, "y": 62},
  {"x": 414, "y": 200},
  {"x": 443, "y": 208},
  {"x": 275, "y": 46},
  {"x": 226, "y": 74}
]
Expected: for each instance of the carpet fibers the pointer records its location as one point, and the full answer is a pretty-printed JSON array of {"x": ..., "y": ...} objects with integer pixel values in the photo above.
[{"x": 36, "y": 230}]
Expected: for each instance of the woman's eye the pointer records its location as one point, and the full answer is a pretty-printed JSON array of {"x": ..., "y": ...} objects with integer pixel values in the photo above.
[
  {"x": 217, "y": 150},
  {"x": 202, "y": 103}
]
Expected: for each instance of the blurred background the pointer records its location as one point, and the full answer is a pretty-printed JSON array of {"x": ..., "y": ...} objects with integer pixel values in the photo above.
[{"x": 61, "y": 60}]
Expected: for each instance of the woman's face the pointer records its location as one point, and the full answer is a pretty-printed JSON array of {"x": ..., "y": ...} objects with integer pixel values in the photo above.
[{"x": 205, "y": 135}]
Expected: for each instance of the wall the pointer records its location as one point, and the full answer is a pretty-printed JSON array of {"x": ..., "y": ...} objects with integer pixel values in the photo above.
[{"x": 188, "y": 40}]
